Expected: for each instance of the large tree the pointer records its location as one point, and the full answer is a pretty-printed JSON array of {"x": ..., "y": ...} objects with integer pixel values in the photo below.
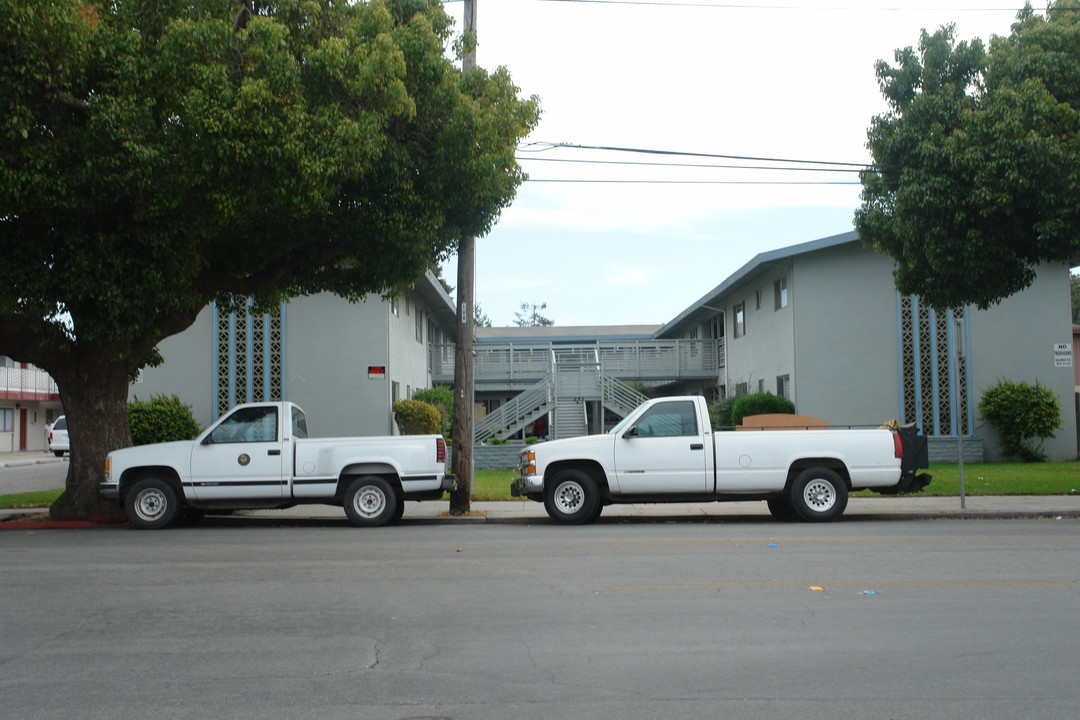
[
  {"x": 976, "y": 169},
  {"x": 158, "y": 155}
]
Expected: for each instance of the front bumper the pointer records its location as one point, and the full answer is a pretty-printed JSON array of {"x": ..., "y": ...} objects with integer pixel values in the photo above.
[
  {"x": 527, "y": 485},
  {"x": 109, "y": 491}
]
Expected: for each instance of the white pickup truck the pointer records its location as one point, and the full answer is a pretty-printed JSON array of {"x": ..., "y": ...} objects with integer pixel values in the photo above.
[
  {"x": 259, "y": 456},
  {"x": 665, "y": 451}
]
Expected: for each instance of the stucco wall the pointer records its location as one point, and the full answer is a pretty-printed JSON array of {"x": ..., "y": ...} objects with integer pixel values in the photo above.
[
  {"x": 846, "y": 336},
  {"x": 1015, "y": 341},
  {"x": 188, "y": 370},
  {"x": 765, "y": 352},
  {"x": 329, "y": 345},
  {"x": 408, "y": 356}
]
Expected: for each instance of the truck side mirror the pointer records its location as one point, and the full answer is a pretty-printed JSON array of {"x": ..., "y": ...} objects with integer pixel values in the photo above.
[{"x": 631, "y": 433}]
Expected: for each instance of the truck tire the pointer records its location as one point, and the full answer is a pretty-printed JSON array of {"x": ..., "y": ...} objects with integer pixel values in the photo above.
[
  {"x": 818, "y": 495},
  {"x": 572, "y": 498},
  {"x": 371, "y": 502},
  {"x": 151, "y": 504}
]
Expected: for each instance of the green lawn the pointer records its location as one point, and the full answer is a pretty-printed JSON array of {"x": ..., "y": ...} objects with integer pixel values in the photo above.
[
  {"x": 29, "y": 500},
  {"x": 979, "y": 479}
]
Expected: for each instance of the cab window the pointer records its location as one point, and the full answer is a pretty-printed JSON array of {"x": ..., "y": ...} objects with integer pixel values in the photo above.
[
  {"x": 672, "y": 419},
  {"x": 299, "y": 423},
  {"x": 247, "y": 425}
]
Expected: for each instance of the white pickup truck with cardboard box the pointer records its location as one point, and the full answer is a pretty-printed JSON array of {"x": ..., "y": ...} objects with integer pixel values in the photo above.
[{"x": 666, "y": 451}]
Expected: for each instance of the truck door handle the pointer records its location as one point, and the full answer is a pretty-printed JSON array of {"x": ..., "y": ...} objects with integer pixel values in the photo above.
[
  {"x": 697, "y": 446},
  {"x": 273, "y": 452}
]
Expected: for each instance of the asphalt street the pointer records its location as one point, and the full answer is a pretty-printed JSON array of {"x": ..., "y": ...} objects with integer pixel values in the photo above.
[{"x": 636, "y": 619}]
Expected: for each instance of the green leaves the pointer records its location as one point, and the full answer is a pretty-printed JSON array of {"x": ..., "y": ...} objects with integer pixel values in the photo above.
[
  {"x": 1023, "y": 415},
  {"x": 978, "y": 163},
  {"x": 156, "y": 155}
]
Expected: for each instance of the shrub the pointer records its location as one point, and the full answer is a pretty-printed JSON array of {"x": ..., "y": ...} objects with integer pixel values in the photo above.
[
  {"x": 1023, "y": 415},
  {"x": 415, "y": 417},
  {"x": 442, "y": 397},
  {"x": 759, "y": 404},
  {"x": 720, "y": 412},
  {"x": 162, "y": 418}
]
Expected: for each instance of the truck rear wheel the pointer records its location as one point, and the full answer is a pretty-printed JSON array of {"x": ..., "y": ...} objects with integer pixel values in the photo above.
[
  {"x": 818, "y": 495},
  {"x": 371, "y": 502},
  {"x": 572, "y": 498},
  {"x": 151, "y": 504}
]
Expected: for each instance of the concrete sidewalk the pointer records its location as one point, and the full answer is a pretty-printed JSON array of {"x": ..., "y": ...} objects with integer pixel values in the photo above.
[
  {"x": 29, "y": 457},
  {"x": 883, "y": 508}
]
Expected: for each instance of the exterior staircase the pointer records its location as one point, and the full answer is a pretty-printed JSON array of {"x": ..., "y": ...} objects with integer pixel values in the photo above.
[{"x": 563, "y": 396}]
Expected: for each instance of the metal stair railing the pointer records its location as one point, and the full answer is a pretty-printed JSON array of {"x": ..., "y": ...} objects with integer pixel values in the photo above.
[
  {"x": 517, "y": 412},
  {"x": 620, "y": 397}
]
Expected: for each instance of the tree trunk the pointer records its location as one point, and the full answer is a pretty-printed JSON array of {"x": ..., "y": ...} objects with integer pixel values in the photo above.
[{"x": 95, "y": 404}]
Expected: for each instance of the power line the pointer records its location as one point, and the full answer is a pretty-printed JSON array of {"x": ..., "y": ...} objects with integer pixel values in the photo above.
[
  {"x": 816, "y": 8},
  {"x": 700, "y": 182},
  {"x": 546, "y": 146},
  {"x": 696, "y": 165}
]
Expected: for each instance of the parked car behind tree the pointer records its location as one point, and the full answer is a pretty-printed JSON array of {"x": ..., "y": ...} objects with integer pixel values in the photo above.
[{"x": 58, "y": 437}]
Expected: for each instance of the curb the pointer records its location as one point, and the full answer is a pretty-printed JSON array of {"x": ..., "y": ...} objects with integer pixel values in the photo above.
[
  {"x": 26, "y": 462},
  {"x": 9, "y": 519}
]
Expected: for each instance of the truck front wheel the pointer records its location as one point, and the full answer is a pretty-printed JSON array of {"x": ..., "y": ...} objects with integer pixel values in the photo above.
[
  {"x": 151, "y": 504},
  {"x": 371, "y": 502},
  {"x": 572, "y": 498},
  {"x": 818, "y": 495}
]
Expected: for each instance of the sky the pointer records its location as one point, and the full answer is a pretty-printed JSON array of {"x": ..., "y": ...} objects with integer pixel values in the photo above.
[{"x": 785, "y": 80}]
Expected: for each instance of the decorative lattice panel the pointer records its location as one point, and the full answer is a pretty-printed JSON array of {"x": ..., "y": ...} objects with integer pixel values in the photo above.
[
  {"x": 250, "y": 358},
  {"x": 933, "y": 381}
]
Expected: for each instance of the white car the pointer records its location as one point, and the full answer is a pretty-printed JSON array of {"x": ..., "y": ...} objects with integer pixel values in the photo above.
[{"x": 58, "y": 437}]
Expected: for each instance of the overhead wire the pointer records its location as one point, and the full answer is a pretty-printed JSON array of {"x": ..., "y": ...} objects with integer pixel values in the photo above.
[{"x": 777, "y": 165}]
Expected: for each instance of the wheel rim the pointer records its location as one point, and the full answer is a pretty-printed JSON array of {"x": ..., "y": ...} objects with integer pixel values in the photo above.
[
  {"x": 151, "y": 505},
  {"x": 569, "y": 497},
  {"x": 370, "y": 502},
  {"x": 819, "y": 495}
]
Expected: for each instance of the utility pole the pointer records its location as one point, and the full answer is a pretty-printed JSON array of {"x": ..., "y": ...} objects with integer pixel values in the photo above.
[{"x": 464, "y": 384}]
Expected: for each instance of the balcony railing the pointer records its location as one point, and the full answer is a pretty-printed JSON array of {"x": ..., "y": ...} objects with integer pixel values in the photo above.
[
  {"x": 631, "y": 360},
  {"x": 27, "y": 384}
]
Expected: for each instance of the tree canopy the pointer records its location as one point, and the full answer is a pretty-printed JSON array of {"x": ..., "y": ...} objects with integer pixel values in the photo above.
[
  {"x": 977, "y": 161},
  {"x": 158, "y": 155}
]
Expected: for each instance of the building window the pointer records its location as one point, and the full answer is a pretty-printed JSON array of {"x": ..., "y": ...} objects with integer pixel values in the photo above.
[
  {"x": 783, "y": 386},
  {"x": 419, "y": 326},
  {"x": 780, "y": 291},
  {"x": 740, "y": 319},
  {"x": 761, "y": 385},
  {"x": 7, "y": 420},
  {"x": 395, "y": 391},
  {"x": 757, "y": 300},
  {"x": 394, "y": 307}
]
